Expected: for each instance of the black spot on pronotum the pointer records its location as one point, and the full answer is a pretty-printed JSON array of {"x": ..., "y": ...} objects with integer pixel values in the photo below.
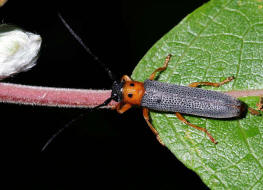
[
  {"x": 132, "y": 84},
  {"x": 129, "y": 95}
]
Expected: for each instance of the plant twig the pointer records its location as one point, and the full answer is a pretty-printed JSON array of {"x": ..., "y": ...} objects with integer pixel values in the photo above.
[
  {"x": 244, "y": 93},
  {"x": 59, "y": 97},
  {"x": 66, "y": 97}
]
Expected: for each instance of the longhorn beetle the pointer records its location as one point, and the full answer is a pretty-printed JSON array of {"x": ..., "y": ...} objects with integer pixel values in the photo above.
[
  {"x": 164, "y": 97},
  {"x": 160, "y": 96}
]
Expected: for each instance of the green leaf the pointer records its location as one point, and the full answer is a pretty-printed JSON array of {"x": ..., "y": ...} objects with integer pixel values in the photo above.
[{"x": 220, "y": 39}]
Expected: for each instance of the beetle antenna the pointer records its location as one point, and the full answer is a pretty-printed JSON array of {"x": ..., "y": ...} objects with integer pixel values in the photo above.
[
  {"x": 106, "y": 69},
  {"x": 106, "y": 102}
]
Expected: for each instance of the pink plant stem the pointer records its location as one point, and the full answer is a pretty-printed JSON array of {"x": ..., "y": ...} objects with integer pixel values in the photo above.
[
  {"x": 63, "y": 97},
  {"x": 45, "y": 96}
]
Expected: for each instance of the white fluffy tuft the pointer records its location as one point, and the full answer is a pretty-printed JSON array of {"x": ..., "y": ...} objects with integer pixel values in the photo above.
[{"x": 18, "y": 50}]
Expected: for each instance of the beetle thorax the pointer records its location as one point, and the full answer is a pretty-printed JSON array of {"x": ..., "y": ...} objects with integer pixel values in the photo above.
[{"x": 133, "y": 92}]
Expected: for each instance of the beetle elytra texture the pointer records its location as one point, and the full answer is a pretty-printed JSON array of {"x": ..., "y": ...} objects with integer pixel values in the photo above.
[{"x": 160, "y": 96}]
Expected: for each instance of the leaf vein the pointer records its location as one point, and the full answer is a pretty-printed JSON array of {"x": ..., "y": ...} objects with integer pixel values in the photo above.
[
  {"x": 196, "y": 37},
  {"x": 248, "y": 145}
]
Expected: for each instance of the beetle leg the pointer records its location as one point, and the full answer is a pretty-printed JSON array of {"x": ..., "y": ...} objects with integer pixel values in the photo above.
[
  {"x": 260, "y": 104},
  {"x": 120, "y": 108},
  {"x": 117, "y": 106},
  {"x": 196, "y": 84},
  {"x": 181, "y": 118},
  {"x": 147, "y": 119},
  {"x": 253, "y": 111},
  {"x": 161, "y": 68},
  {"x": 126, "y": 78},
  {"x": 259, "y": 108}
]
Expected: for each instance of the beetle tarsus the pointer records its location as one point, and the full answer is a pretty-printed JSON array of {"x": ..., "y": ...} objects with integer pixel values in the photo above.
[
  {"x": 165, "y": 65},
  {"x": 260, "y": 104},
  {"x": 228, "y": 79}
]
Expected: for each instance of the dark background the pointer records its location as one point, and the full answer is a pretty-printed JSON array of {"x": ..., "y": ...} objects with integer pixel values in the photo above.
[{"x": 104, "y": 149}]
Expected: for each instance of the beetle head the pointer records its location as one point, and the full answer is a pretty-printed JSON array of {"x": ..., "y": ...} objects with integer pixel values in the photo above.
[{"x": 116, "y": 93}]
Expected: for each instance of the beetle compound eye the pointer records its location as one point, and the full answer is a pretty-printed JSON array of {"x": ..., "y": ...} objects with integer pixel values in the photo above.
[
  {"x": 132, "y": 84},
  {"x": 129, "y": 95}
]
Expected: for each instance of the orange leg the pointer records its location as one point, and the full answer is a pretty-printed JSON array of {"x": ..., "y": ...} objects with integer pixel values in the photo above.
[
  {"x": 196, "y": 84},
  {"x": 161, "y": 68},
  {"x": 253, "y": 111},
  {"x": 120, "y": 108},
  {"x": 126, "y": 78},
  {"x": 259, "y": 108},
  {"x": 181, "y": 118},
  {"x": 260, "y": 104},
  {"x": 147, "y": 119}
]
